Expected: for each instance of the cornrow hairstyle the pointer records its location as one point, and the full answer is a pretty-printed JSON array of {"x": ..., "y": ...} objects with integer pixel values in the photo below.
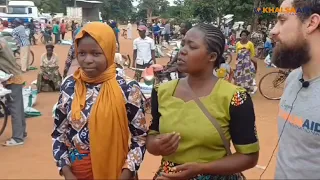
[
  {"x": 309, "y": 7},
  {"x": 215, "y": 41}
]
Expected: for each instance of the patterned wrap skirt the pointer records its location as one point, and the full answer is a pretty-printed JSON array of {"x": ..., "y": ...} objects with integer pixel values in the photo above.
[
  {"x": 49, "y": 79},
  {"x": 167, "y": 167},
  {"x": 81, "y": 165}
]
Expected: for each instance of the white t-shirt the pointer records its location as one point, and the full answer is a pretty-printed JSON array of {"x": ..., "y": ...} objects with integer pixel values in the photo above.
[
  {"x": 129, "y": 27},
  {"x": 144, "y": 48}
]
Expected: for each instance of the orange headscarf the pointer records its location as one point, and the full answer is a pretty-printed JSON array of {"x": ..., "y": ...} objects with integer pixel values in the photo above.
[{"x": 108, "y": 123}]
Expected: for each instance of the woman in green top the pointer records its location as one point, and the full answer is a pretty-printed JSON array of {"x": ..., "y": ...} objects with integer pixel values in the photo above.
[
  {"x": 182, "y": 134},
  {"x": 56, "y": 32}
]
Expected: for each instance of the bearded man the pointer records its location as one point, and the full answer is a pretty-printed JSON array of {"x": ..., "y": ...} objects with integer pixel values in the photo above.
[{"x": 297, "y": 38}]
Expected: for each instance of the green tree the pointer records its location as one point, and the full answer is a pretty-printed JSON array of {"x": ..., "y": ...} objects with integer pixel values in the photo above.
[
  {"x": 153, "y": 7},
  {"x": 119, "y": 10},
  {"x": 242, "y": 10}
]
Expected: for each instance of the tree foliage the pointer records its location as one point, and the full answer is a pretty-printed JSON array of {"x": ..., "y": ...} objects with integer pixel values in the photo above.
[
  {"x": 153, "y": 7},
  {"x": 119, "y": 10}
]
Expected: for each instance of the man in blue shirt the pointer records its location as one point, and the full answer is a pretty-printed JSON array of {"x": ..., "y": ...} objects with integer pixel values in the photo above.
[
  {"x": 20, "y": 35},
  {"x": 156, "y": 33}
]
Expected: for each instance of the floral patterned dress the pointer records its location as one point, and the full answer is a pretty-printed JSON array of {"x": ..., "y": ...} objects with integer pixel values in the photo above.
[
  {"x": 245, "y": 71},
  {"x": 70, "y": 57},
  {"x": 71, "y": 138}
]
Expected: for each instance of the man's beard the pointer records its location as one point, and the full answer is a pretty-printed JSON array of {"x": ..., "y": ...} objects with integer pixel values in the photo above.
[{"x": 291, "y": 57}]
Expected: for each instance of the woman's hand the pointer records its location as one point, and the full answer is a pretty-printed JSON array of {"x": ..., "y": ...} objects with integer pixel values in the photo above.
[
  {"x": 184, "y": 171},
  {"x": 167, "y": 143},
  {"x": 126, "y": 174},
  {"x": 67, "y": 173},
  {"x": 70, "y": 176}
]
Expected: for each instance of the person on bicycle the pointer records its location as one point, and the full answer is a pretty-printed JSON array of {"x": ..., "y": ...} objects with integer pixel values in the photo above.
[
  {"x": 14, "y": 102},
  {"x": 143, "y": 51},
  {"x": 47, "y": 34},
  {"x": 22, "y": 39},
  {"x": 32, "y": 29}
]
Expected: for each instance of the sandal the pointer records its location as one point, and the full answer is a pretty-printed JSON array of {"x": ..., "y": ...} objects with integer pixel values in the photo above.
[{"x": 12, "y": 142}]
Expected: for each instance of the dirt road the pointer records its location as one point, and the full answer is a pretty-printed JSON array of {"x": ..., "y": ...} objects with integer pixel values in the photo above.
[{"x": 34, "y": 160}]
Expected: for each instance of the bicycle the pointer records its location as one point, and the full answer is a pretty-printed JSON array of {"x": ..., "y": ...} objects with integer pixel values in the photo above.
[
  {"x": 16, "y": 53},
  {"x": 160, "y": 76},
  {"x": 4, "y": 113},
  {"x": 45, "y": 37},
  {"x": 124, "y": 33},
  {"x": 278, "y": 80},
  {"x": 137, "y": 72}
]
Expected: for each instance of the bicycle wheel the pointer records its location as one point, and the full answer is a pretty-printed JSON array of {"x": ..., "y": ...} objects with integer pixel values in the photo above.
[
  {"x": 228, "y": 57},
  {"x": 3, "y": 117},
  {"x": 276, "y": 80},
  {"x": 31, "y": 57},
  {"x": 16, "y": 54}
]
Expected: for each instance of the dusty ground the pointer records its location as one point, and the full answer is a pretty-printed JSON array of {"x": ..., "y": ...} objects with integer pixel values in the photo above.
[{"x": 34, "y": 159}]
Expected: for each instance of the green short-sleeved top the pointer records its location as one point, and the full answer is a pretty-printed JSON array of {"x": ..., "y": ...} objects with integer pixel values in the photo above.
[
  {"x": 200, "y": 142},
  {"x": 56, "y": 29}
]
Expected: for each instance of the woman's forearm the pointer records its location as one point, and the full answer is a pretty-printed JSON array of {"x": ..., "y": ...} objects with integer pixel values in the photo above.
[
  {"x": 231, "y": 164},
  {"x": 151, "y": 145}
]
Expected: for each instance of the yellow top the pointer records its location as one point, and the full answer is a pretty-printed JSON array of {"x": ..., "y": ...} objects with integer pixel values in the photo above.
[
  {"x": 249, "y": 46},
  {"x": 200, "y": 141}
]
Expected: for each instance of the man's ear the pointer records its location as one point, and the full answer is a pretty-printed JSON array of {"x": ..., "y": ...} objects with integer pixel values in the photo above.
[{"x": 313, "y": 23}]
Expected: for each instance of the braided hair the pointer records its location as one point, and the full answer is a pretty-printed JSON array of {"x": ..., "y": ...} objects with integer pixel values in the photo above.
[{"x": 215, "y": 41}]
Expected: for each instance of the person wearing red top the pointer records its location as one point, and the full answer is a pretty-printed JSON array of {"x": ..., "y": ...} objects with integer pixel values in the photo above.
[
  {"x": 5, "y": 25},
  {"x": 63, "y": 29},
  {"x": 233, "y": 39}
]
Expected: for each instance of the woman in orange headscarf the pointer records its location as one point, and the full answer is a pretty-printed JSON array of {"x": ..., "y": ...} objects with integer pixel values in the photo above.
[{"x": 96, "y": 102}]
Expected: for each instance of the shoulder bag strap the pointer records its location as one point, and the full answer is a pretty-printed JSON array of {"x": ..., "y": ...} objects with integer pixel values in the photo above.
[{"x": 210, "y": 117}]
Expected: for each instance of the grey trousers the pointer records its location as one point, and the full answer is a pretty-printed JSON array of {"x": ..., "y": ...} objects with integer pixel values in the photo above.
[{"x": 16, "y": 108}]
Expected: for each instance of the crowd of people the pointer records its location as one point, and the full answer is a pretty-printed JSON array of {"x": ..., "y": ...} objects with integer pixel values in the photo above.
[{"x": 194, "y": 118}]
